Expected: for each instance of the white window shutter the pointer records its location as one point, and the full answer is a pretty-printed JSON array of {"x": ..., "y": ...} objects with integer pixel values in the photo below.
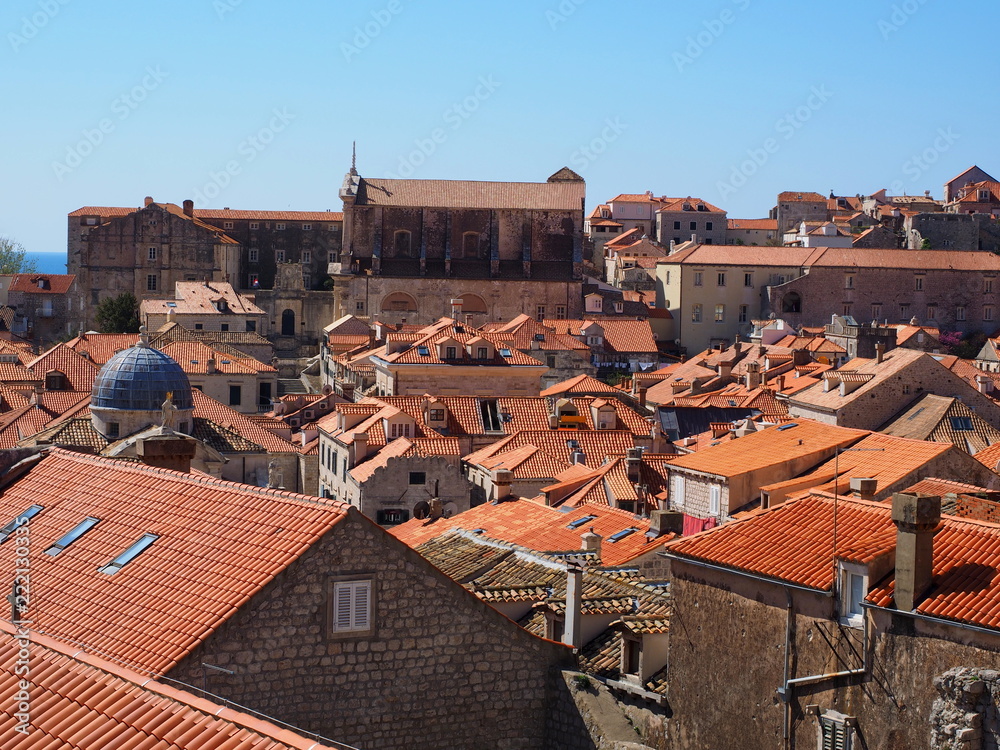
[
  {"x": 342, "y": 606},
  {"x": 362, "y": 605}
]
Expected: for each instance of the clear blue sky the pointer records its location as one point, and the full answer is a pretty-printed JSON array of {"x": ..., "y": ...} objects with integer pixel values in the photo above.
[{"x": 664, "y": 96}]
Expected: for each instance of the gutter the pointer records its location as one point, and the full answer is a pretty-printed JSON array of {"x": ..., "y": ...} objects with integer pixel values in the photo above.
[
  {"x": 934, "y": 620},
  {"x": 745, "y": 574}
]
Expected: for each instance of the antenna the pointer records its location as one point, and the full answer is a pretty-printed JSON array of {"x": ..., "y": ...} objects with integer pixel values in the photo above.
[{"x": 354, "y": 157}]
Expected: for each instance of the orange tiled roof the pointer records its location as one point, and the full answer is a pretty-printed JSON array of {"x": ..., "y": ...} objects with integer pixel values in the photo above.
[
  {"x": 225, "y": 540},
  {"x": 77, "y": 697},
  {"x": 193, "y": 358},
  {"x": 53, "y": 283},
  {"x": 207, "y": 407},
  {"x": 768, "y": 447},
  {"x": 402, "y": 447},
  {"x": 791, "y": 196},
  {"x": 213, "y": 213},
  {"x": 553, "y": 451},
  {"x": 579, "y": 384},
  {"x": 102, "y": 346},
  {"x": 620, "y": 334},
  {"x": 770, "y": 225},
  {"x": 201, "y": 298},
  {"x": 565, "y": 196},
  {"x": 540, "y": 528},
  {"x": 79, "y": 371}
]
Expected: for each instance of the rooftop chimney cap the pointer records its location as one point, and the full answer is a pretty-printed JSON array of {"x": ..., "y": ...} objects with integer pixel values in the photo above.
[
  {"x": 916, "y": 512},
  {"x": 148, "y": 201}
]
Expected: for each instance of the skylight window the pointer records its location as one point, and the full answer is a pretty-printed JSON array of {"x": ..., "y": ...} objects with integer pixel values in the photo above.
[
  {"x": 19, "y": 521},
  {"x": 423, "y": 351},
  {"x": 787, "y": 426},
  {"x": 171, "y": 304},
  {"x": 617, "y": 537},
  {"x": 580, "y": 522},
  {"x": 505, "y": 352},
  {"x": 961, "y": 423},
  {"x": 129, "y": 555},
  {"x": 67, "y": 539}
]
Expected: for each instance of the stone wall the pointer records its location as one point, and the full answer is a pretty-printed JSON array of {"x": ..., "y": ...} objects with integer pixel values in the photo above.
[
  {"x": 441, "y": 669},
  {"x": 965, "y": 716},
  {"x": 389, "y": 486}
]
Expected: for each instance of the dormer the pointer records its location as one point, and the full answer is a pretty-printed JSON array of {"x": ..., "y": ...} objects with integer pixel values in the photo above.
[
  {"x": 43, "y": 283},
  {"x": 221, "y": 305},
  {"x": 593, "y": 303},
  {"x": 448, "y": 348},
  {"x": 55, "y": 380},
  {"x": 397, "y": 425},
  {"x": 593, "y": 334},
  {"x": 603, "y": 414},
  {"x": 434, "y": 412},
  {"x": 479, "y": 348},
  {"x": 701, "y": 207}
]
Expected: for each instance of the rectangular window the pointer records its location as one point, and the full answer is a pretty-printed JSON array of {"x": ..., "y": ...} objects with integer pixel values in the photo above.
[
  {"x": 904, "y": 311},
  {"x": 848, "y": 310},
  {"x": 960, "y": 312},
  {"x": 540, "y": 313},
  {"x": 714, "y": 499},
  {"x": 744, "y": 313},
  {"x": 720, "y": 313},
  {"x": 720, "y": 279},
  {"x": 693, "y": 225},
  {"x": 280, "y": 227},
  {"x": 560, "y": 312},
  {"x": 848, "y": 282},
  {"x": 988, "y": 312},
  {"x": 697, "y": 278},
  {"x": 253, "y": 254},
  {"x": 129, "y": 555},
  {"x": 251, "y": 326},
  {"x": 437, "y": 415},
  {"x": 876, "y": 312},
  {"x": 748, "y": 279},
  {"x": 352, "y": 606},
  {"x": 418, "y": 477},
  {"x": 307, "y": 227},
  {"x": 677, "y": 492},
  {"x": 931, "y": 312},
  {"x": 307, "y": 256},
  {"x": 254, "y": 225},
  {"x": 279, "y": 256},
  {"x": 450, "y": 352},
  {"x": 677, "y": 225},
  {"x": 695, "y": 313},
  {"x": 71, "y": 536},
  {"x": 482, "y": 352},
  {"x": 151, "y": 280},
  {"x": 152, "y": 253},
  {"x": 918, "y": 283},
  {"x": 708, "y": 226},
  {"x": 224, "y": 327},
  {"x": 235, "y": 395},
  {"x": 21, "y": 520},
  {"x": 987, "y": 286}
]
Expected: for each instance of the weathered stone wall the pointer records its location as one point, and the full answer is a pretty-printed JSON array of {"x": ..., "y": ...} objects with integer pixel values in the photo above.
[
  {"x": 442, "y": 668},
  {"x": 389, "y": 486},
  {"x": 727, "y": 662},
  {"x": 965, "y": 716},
  {"x": 947, "y": 231}
]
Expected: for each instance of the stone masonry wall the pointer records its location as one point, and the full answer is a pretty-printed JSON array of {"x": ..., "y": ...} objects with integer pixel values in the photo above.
[
  {"x": 965, "y": 716},
  {"x": 442, "y": 668}
]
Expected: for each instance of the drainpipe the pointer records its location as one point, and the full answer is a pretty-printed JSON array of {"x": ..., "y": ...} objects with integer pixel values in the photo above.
[{"x": 789, "y": 619}]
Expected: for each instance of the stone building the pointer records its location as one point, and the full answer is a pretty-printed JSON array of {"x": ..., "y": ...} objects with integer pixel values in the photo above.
[
  {"x": 46, "y": 306},
  {"x": 410, "y": 246},
  {"x": 952, "y": 231},
  {"x": 682, "y": 219},
  {"x": 205, "y": 306},
  {"x": 795, "y": 207},
  {"x": 298, "y": 609},
  {"x": 841, "y": 634},
  {"x": 147, "y": 250}
]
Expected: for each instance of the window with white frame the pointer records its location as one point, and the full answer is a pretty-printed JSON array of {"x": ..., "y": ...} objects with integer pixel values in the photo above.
[
  {"x": 152, "y": 253},
  {"x": 307, "y": 256},
  {"x": 695, "y": 313},
  {"x": 714, "y": 499},
  {"x": 253, "y": 254},
  {"x": 279, "y": 226},
  {"x": 835, "y": 733},
  {"x": 254, "y": 225},
  {"x": 677, "y": 491},
  {"x": 960, "y": 312},
  {"x": 698, "y": 278},
  {"x": 351, "y": 607},
  {"x": 853, "y": 590},
  {"x": 307, "y": 227}
]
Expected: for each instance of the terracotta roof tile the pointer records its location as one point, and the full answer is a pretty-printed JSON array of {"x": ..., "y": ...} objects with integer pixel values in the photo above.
[
  {"x": 566, "y": 196},
  {"x": 51, "y": 283},
  {"x": 79, "y": 371}
]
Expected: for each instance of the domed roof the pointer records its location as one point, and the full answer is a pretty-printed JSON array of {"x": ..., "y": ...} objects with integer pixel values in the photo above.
[{"x": 138, "y": 379}]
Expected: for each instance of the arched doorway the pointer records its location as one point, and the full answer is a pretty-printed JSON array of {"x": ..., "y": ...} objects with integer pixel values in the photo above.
[
  {"x": 288, "y": 323},
  {"x": 791, "y": 303},
  {"x": 399, "y": 302}
]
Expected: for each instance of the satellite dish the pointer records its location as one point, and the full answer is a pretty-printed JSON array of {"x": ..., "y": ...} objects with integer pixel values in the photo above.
[{"x": 422, "y": 510}]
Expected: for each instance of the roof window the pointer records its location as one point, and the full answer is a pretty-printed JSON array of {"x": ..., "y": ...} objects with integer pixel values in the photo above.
[
  {"x": 580, "y": 522},
  {"x": 19, "y": 520},
  {"x": 788, "y": 426},
  {"x": 505, "y": 352},
  {"x": 617, "y": 537},
  {"x": 129, "y": 555},
  {"x": 67, "y": 539}
]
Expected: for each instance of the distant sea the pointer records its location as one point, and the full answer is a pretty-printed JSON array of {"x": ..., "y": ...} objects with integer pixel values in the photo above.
[{"x": 49, "y": 262}]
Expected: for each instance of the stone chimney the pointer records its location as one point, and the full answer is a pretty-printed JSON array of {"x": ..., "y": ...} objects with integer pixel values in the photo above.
[
  {"x": 725, "y": 369},
  {"x": 437, "y": 508},
  {"x": 879, "y": 353},
  {"x": 503, "y": 479},
  {"x": 984, "y": 383},
  {"x": 666, "y": 521},
  {"x": 360, "y": 445},
  {"x": 916, "y": 517},
  {"x": 642, "y": 396},
  {"x": 592, "y": 542},
  {"x": 753, "y": 375},
  {"x": 864, "y": 487},
  {"x": 633, "y": 464},
  {"x": 578, "y": 457},
  {"x": 210, "y": 366},
  {"x": 167, "y": 452},
  {"x": 574, "y": 606},
  {"x": 189, "y": 207},
  {"x": 456, "y": 310},
  {"x": 149, "y": 201}
]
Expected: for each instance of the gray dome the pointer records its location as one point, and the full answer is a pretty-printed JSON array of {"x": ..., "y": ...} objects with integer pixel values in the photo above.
[{"x": 138, "y": 379}]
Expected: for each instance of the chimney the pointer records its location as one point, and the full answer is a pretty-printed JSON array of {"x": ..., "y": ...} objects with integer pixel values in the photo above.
[
  {"x": 666, "y": 521},
  {"x": 642, "y": 397},
  {"x": 864, "y": 487},
  {"x": 171, "y": 315},
  {"x": 725, "y": 369},
  {"x": 437, "y": 508},
  {"x": 189, "y": 207},
  {"x": 167, "y": 452},
  {"x": 694, "y": 238},
  {"x": 633, "y": 464},
  {"x": 879, "y": 353},
  {"x": 148, "y": 201},
  {"x": 360, "y": 446},
  {"x": 578, "y": 457},
  {"x": 574, "y": 606},
  {"x": 592, "y": 542},
  {"x": 984, "y": 383},
  {"x": 210, "y": 365},
  {"x": 347, "y": 391},
  {"x": 753, "y": 376},
  {"x": 916, "y": 517},
  {"x": 503, "y": 479},
  {"x": 456, "y": 310},
  {"x": 671, "y": 246}
]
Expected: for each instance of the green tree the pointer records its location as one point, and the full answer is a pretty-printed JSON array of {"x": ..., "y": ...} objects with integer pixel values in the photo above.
[
  {"x": 14, "y": 257},
  {"x": 926, "y": 245},
  {"x": 118, "y": 314}
]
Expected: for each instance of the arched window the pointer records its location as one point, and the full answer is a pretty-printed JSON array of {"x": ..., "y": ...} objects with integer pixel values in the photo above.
[
  {"x": 470, "y": 245},
  {"x": 398, "y": 302},
  {"x": 473, "y": 304},
  {"x": 288, "y": 323},
  {"x": 791, "y": 303},
  {"x": 402, "y": 243}
]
